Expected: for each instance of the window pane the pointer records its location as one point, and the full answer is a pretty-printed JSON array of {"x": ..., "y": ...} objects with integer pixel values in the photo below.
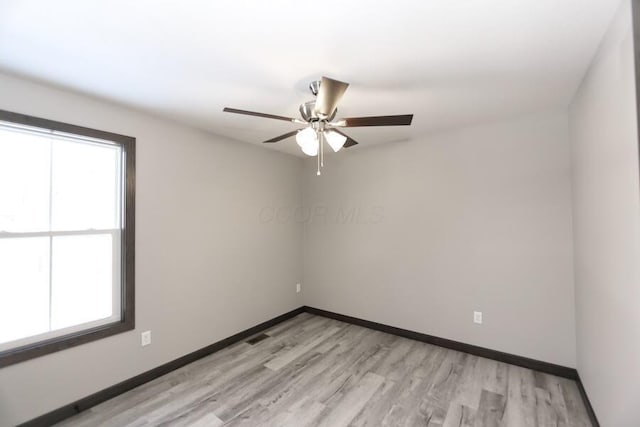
[
  {"x": 24, "y": 287},
  {"x": 24, "y": 174},
  {"x": 82, "y": 279},
  {"x": 86, "y": 186}
]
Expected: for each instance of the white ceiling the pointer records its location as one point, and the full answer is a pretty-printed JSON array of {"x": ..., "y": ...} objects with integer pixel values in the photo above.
[{"x": 449, "y": 62}]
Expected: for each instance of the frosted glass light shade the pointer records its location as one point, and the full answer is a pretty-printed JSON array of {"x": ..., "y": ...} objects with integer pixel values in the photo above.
[
  {"x": 335, "y": 140},
  {"x": 308, "y": 141}
]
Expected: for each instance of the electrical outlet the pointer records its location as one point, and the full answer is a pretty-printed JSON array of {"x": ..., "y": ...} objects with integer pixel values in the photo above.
[
  {"x": 477, "y": 317},
  {"x": 297, "y": 288},
  {"x": 145, "y": 338}
]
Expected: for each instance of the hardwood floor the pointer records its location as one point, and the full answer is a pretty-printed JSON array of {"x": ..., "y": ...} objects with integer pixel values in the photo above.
[{"x": 314, "y": 371}]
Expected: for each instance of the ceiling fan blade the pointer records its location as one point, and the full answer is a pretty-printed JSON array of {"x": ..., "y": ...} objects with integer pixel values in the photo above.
[
  {"x": 329, "y": 95},
  {"x": 253, "y": 113},
  {"x": 401, "y": 120},
  {"x": 281, "y": 137},
  {"x": 350, "y": 141}
]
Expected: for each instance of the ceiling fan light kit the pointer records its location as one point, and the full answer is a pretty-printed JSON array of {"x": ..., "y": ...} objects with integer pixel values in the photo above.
[
  {"x": 317, "y": 115},
  {"x": 307, "y": 139},
  {"x": 335, "y": 140}
]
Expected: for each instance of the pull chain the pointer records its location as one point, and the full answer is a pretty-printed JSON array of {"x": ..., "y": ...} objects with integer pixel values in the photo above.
[
  {"x": 321, "y": 149},
  {"x": 318, "y": 173}
]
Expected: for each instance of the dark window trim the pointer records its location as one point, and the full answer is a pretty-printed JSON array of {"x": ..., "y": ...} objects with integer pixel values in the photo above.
[
  {"x": 635, "y": 23},
  {"x": 127, "y": 321}
]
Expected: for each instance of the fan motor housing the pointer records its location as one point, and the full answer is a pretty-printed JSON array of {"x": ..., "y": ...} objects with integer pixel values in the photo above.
[{"x": 308, "y": 113}]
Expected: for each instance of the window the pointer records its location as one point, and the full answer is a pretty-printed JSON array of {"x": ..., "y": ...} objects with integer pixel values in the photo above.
[{"x": 66, "y": 235}]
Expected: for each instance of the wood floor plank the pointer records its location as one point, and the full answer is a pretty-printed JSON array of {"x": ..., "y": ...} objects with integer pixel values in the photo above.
[
  {"x": 263, "y": 390},
  {"x": 490, "y": 409},
  {"x": 289, "y": 355},
  {"x": 303, "y": 413},
  {"x": 434, "y": 407},
  {"x": 459, "y": 416},
  {"x": 556, "y": 398},
  {"x": 470, "y": 385},
  {"x": 521, "y": 400},
  {"x": 273, "y": 391},
  {"x": 309, "y": 376},
  {"x": 378, "y": 406},
  {"x": 191, "y": 419},
  {"x": 352, "y": 402},
  {"x": 576, "y": 411},
  {"x": 300, "y": 416},
  {"x": 354, "y": 363},
  {"x": 404, "y": 390},
  {"x": 313, "y": 371}
]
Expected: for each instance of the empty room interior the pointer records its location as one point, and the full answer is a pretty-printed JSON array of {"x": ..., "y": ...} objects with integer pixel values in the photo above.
[{"x": 410, "y": 213}]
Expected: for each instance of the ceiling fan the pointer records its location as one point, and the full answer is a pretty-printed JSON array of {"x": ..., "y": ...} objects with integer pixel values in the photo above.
[{"x": 318, "y": 117}]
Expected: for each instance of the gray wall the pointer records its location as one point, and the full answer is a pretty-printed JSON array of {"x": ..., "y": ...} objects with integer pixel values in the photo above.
[
  {"x": 207, "y": 266},
  {"x": 606, "y": 208},
  {"x": 475, "y": 219}
]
